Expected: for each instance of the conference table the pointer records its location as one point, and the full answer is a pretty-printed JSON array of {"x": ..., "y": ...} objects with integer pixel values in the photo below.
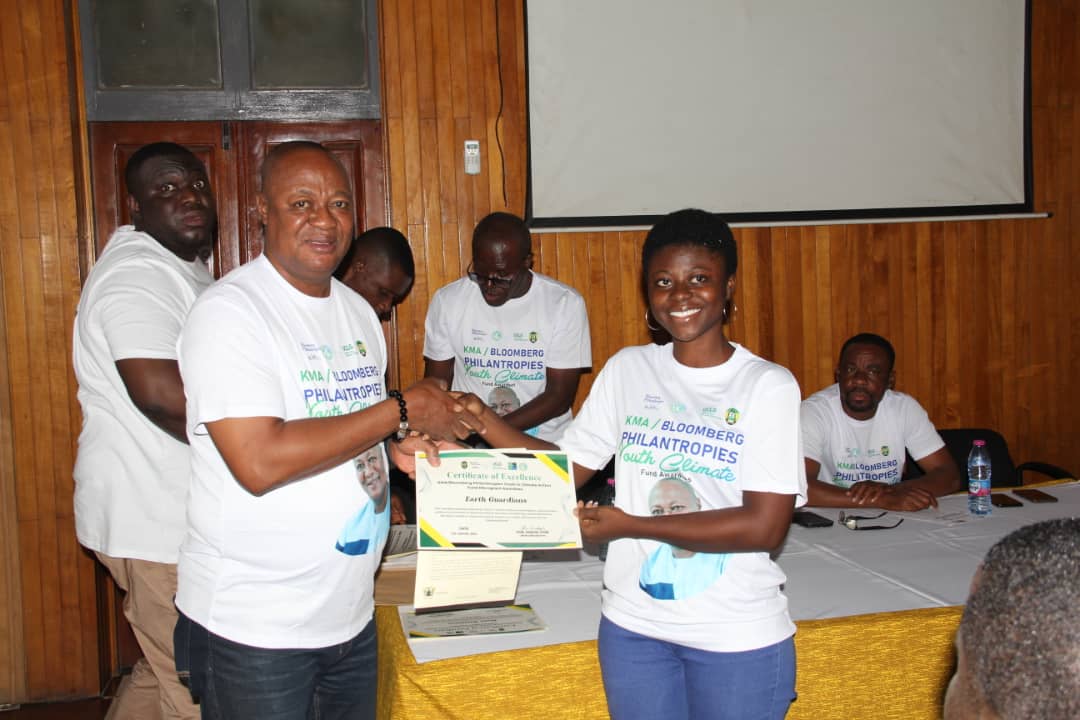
[{"x": 876, "y": 613}]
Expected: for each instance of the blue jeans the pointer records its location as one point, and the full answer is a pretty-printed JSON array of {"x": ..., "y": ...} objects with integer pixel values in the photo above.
[
  {"x": 232, "y": 681},
  {"x": 645, "y": 679}
]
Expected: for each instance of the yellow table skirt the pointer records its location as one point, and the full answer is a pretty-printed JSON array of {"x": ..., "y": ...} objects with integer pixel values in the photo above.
[{"x": 881, "y": 666}]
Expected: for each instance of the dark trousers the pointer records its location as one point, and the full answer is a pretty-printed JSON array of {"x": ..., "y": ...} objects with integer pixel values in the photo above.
[{"x": 232, "y": 681}]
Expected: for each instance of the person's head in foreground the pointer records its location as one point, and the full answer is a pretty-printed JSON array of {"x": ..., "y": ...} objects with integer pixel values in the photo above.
[
  {"x": 502, "y": 258},
  {"x": 864, "y": 372},
  {"x": 380, "y": 267},
  {"x": 306, "y": 208},
  {"x": 688, "y": 263},
  {"x": 673, "y": 496},
  {"x": 1018, "y": 646}
]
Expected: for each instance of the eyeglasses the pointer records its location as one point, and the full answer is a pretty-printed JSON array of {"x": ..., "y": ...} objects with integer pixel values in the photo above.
[
  {"x": 851, "y": 522},
  {"x": 872, "y": 373},
  {"x": 493, "y": 280}
]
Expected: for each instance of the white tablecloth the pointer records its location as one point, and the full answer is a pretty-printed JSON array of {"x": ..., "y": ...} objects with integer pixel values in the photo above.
[{"x": 928, "y": 561}]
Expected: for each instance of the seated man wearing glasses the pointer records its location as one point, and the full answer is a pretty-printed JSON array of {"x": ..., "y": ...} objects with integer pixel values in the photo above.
[
  {"x": 504, "y": 325},
  {"x": 855, "y": 432}
]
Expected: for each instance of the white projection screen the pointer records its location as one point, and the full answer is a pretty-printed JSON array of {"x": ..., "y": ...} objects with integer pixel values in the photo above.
[{"x": 776, "y": 110}]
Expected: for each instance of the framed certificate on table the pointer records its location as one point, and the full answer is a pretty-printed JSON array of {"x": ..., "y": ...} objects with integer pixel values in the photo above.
[{"x": 496, "y": 500}]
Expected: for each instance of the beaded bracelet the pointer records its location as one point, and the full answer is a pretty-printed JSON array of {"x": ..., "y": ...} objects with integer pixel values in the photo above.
[{"x": 403, "y": 426}]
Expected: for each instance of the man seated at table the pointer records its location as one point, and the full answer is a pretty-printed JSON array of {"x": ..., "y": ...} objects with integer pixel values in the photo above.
[
  {"x": 1018, "y": 645},
  {"x": 855, "y": 432}
]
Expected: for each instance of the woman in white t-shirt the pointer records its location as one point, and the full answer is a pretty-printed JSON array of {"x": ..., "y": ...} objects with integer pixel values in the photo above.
[{"x": 724, "y": 424}]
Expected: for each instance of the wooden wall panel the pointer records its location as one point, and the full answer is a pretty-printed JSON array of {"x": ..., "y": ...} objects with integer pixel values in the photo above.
[
  {"x": 48, "y": 608},
  {"x": 981, "y": 312},
  {"x": 442, "y": 64}
]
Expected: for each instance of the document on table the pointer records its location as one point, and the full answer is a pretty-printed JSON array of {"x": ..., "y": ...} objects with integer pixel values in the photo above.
[
  {"x": 400, "y": 541},
  {"x": 465, "y": 578},
  {"x": 485, "y": 621},
  {"x": 496, "y": 499}
]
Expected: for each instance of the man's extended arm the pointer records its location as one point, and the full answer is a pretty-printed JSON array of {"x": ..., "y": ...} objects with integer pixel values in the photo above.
[
  {"x": 154, "y": 385},
  {"x": 264, "y": 453},
  {"x": 557, "y": 397}
]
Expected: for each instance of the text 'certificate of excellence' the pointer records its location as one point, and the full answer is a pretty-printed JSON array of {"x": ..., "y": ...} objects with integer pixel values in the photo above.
[{"x": 496, "y": 500}]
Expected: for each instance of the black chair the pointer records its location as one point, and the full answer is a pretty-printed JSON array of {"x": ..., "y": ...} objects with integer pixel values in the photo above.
[{"x": 1003, "y": 472}]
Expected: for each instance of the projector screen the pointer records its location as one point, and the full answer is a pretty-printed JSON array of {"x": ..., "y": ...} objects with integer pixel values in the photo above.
[{"x": 776, "y": 110}]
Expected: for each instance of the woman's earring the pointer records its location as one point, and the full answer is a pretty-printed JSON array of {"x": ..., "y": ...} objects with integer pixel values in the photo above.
[
  {"x": 649, "y": 324},
  {"x": 727, "y": 315}
]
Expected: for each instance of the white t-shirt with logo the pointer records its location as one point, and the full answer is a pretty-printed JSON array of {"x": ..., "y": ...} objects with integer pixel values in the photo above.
[
  {"x": 719, "y": 431},
  {"x": 851, "y": 450},
  {"x": 131, "y": 477},
  {"x": 510, "y": 346},
  {"x": 265, "y": 571}
]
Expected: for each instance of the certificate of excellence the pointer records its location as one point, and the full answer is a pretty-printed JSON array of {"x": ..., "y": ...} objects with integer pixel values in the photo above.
[{"x": 496, "y": 500}]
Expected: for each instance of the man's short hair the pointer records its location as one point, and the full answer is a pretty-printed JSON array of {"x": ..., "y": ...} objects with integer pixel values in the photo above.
[
  {"x": 691, "y": 227},
  {"x": 385, "y": 241},
  {"x": 1019, "y": 633},
  {"x": 146, "y": 153},
  {"x": 287, "y": 148},
  {"x": 505, "y": 227},
  {"x": 869, "y": 339}
]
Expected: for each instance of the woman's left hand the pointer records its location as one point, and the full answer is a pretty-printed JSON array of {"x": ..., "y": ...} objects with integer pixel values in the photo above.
[
  {"x": 403, "y": 452},
  {"x": 601, "y": 522}
]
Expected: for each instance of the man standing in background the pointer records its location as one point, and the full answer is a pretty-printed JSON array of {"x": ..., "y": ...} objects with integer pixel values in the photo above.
[
  {"x": 379, "y": 266},
  {"x": 504, "y": 325},
  {"x": 133, "y": 463}
]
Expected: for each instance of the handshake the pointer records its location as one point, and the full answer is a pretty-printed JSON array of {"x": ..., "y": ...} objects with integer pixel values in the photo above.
[{"x": 432, "y": 412}]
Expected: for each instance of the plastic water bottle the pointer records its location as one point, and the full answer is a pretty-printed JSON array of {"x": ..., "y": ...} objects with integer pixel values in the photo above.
[{"x": 978, "y": 467}]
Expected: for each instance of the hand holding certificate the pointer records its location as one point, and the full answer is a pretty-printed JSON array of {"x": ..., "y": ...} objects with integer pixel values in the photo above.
[{"x": 496, "y": 499}]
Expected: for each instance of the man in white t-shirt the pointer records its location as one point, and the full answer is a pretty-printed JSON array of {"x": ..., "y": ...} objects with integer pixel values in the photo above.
[
  {"x": 283, "y": 367},
  {"x": 504, "y": 325},
  {"x": 855, "y": 434},
  {"x": 131, "y": 471}
]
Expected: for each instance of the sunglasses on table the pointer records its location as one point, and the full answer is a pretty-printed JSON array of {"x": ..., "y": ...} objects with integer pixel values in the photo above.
[{"x": 854, "y": 522}]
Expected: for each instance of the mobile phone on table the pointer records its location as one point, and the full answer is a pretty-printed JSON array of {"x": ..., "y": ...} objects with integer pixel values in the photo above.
[
  {"x": 1035, "y": 496},
  {"x": 808, "y": 519},
  {"x": 1003, "y": 500}
]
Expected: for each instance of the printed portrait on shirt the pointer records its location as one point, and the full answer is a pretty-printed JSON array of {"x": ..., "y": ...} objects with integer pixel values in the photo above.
[
  {"x": 371, "y": 524},
  {"x": 670, "y": 572}
]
